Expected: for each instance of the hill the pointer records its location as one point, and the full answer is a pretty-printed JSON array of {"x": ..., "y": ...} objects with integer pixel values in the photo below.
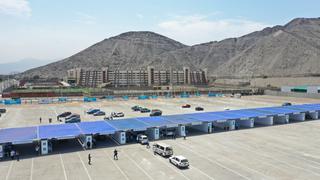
[{"x": 291, "y": 49}]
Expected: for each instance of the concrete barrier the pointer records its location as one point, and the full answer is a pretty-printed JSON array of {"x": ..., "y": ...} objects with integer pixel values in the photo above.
[
  {"x": 297, "y": 117},
  {"x": 268, "y": 121},
  {"x": 281, "y": 119},
  {"x": 312, "y": 115},
  {"x": 248, "y": 123}
]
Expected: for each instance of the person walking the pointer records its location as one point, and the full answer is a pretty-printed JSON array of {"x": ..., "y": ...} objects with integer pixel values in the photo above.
[
  {"x": 37, "y": 149},
  {"x": 17, "y": 155},
  {"x": 89, "y": 159},
  {"x": 184, "y": 137},
  {"x": 115, "y": 154},
  {"x": 40, "y": 119},
  {"x": 12, "y": 153}
]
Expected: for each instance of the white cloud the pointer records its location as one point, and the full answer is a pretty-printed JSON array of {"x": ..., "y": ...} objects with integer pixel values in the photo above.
[
  {"x": 15, "y": 7},
  {"x": 86, "y": 18},
  {"x": 197, "y": 29}
]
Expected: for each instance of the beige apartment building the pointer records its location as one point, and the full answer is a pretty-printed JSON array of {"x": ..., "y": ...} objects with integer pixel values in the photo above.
[{"x": 142, "y": 77}]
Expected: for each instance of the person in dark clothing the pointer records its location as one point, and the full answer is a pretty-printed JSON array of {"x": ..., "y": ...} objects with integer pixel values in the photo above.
[
  {"x": 88, "y": 145},
  {"x": 40, "y": 120},
  {"x": 12, "y": 154},
  {"x": 184, "y": 137},
  {"x": 50, "y": 120},
  {"x": 115, "y": 154},
  {"x": 89, "y": 159},
  {"x": 17, "y": 155}
]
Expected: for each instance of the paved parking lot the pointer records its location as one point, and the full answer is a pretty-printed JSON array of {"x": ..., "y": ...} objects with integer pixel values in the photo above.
[
  {"x": 288, "y": 151},
  {"x": 29, "y": 114}
]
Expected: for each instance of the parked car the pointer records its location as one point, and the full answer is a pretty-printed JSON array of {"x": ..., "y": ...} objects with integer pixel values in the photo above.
[
  {"x": 73, "y": 120},
  {"x": 186, "y": 106},
  {"x": 199, "y": 109},
  {"x": 136, "y": 108},
  {"x": 142, "y": 139},
  {"x": 63, "y": 115},
  {"x": 145, "y": 110},
  {"x": 108, "y": 118},
  {"x": 179, "y": 161},
  {"x": 92, "y": 111},
  {"x": 162, "y": 149},
  {"x": 72, "y": 116},
  {"x": 3, "y": 110},
  {"x": 99, "y": 113},
  {"x": 156, "y": 112},
  {"x": 286, "y": 104},
  {"x": 117, "y": 114}
]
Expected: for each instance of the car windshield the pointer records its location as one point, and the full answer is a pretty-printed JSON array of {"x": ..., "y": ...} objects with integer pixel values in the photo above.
[{"x": 184, "y": 161}]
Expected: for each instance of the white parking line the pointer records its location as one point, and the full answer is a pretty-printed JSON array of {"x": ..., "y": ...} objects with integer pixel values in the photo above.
[
  {"x": 63, "y": 168},
  {"x": 138, "y": 165},
  {"x": 245, "y": 167},
  {"x": 9, "y": 170},
  {"x": 169, "y": 165},
  {"x": 124, "y": 175},
  {"x": 205, "y": 174},
  {"x": 267, "y": 156},
  {"x": 84, "y": 166},
  {"x": 278, "y": 149},
  {"x": 31, "y": 170},
  {"x": 215, "y": 162}
]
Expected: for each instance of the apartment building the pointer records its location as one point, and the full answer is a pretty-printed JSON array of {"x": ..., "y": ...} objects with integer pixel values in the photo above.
[{"x": 149, "y": 76}]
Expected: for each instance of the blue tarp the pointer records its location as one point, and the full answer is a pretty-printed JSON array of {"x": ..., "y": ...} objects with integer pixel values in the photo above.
[
  {"x": 278, "y": 110},
  {"x": 143, "y": 97},
  {"x": 125, "y": 97},
  {"x": 305, "y": 107},
  {"x": 96, "y": 127},
  {"x": 182, "y": 119},
  {"x": 63, "y": 131},
  {"x": 62, "y": 99},
  {"x": 154, "y": 96},
  {"x": 89, "y": 99},
  {"x": 157, "y": 121},
  {"x": 184, "y": 95},
  {"x": 212, "y": 94},
  {"x": 128, "y": 124},
  {"x": 110, "y": 97},
  {"x": 59, "y": 131},
  {"x": 12, "y": 101},
  {"x": 247, "y": 113},
  {"x": 18, "y": 135}
]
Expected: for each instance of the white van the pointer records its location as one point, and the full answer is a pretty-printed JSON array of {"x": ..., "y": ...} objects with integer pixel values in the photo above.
[
  {"x": 143, "y": 139},
  {"x": 162, "y": 149}
]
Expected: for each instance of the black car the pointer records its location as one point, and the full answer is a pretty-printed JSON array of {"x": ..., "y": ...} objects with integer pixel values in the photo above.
[
  {"x": 99, "y": 113},
  {"x": 65, "y": 114},
  {"x": 286, "y": 104},
  {"x": 136, "y": 108},
  {"x": 145, "y": 110},
  {"x": 73, "y": 120},
  {"x": 3, "y": 110},
  {"x": 186, "y": 106},
  {"x": 156, "y": 112},
  {"x": 199, "y": 109}
]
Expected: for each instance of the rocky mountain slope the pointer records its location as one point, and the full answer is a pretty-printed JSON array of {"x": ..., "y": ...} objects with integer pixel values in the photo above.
[{"x": 292, "y": 49}]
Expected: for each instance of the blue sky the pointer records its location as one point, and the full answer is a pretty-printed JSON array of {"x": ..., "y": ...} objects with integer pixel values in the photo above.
[{"x": 55, "y": 29}]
